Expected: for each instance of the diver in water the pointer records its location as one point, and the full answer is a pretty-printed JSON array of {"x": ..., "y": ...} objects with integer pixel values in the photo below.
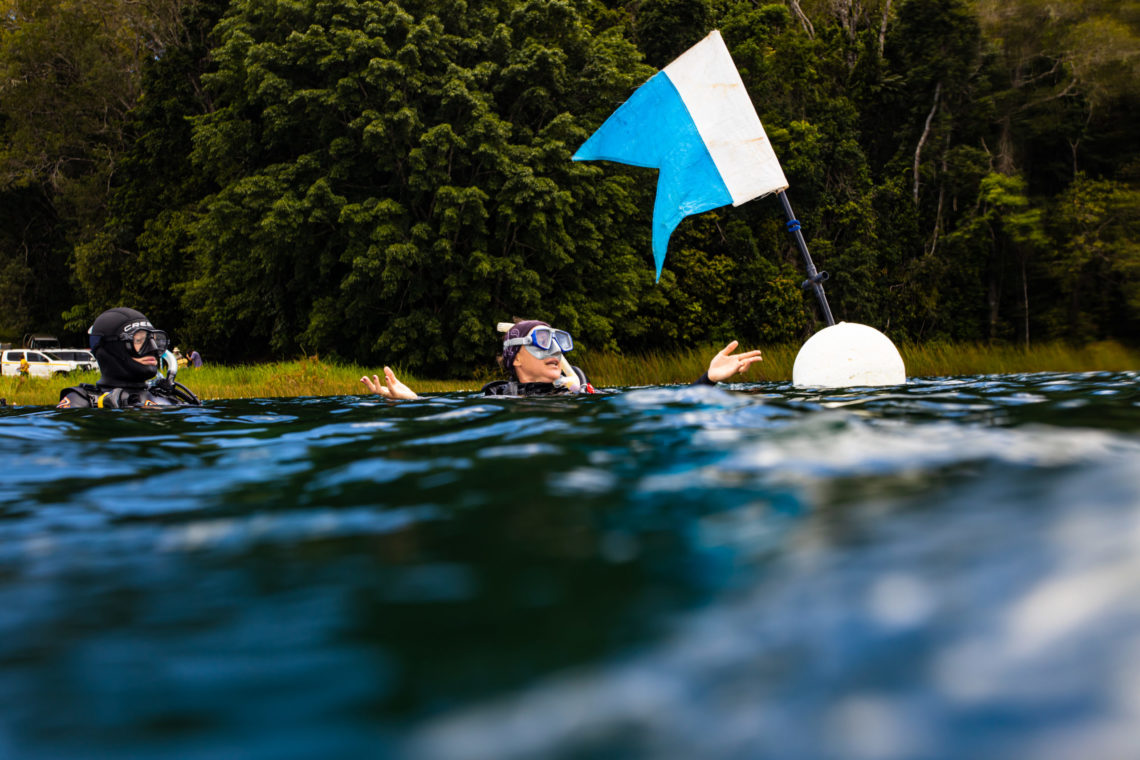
[
  {"x": 534, "y": 360},
  {"x": 129, "y": 351}
]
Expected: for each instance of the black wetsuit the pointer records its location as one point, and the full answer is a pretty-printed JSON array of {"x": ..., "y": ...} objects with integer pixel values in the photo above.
[
  {"x": 87, "y": 396},
  {"x": 515, "y": 388}
]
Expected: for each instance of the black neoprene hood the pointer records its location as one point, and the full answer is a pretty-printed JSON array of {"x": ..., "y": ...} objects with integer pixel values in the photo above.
[{"x": 116, "y": 365}]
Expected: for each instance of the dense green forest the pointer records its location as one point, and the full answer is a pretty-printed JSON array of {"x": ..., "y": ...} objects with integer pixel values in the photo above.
[{"x": 384, "y": 180}]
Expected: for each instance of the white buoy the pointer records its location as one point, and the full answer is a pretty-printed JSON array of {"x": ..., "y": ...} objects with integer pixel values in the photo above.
[{"x": 846, "y": 355}]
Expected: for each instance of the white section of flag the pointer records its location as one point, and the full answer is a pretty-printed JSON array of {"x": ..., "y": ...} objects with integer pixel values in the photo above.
[{"x": 711, "y": 88}]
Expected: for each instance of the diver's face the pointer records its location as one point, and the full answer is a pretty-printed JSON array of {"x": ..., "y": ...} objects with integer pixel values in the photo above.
[
  {"x": 147, "y": 341},
  {"x": 138, "y": 342},
  {"x": 530, "y": 369}
]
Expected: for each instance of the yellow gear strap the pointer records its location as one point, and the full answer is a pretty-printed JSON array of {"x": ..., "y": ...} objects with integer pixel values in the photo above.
[{"x": 99, "y": 403}]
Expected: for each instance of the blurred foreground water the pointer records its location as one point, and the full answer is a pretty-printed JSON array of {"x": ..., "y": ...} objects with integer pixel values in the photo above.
[{"x": 946, "y": 569}]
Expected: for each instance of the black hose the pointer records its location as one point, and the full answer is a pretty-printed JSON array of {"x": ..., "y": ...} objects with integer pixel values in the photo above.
[
  {"x": 183, "y": 393},
  {"x": 176, "y": 391}
]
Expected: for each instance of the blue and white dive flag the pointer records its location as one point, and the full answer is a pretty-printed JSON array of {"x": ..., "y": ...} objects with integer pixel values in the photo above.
[{"x": 693, "y": 120}]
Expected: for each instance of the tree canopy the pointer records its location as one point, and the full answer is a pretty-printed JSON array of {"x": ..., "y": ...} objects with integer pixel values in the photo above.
[{"x": 384, "y": 180}]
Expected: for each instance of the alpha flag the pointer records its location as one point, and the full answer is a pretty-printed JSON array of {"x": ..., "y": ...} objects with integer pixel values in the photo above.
[{"x": 694, "y": 122}]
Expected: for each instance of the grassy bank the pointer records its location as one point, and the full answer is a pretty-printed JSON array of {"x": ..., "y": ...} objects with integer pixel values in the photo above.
[
  {"x": 304, "y": 377},
  {"x": 944, "y": 359},
  {"x": 921, "y": 360},
  {"x": 313, "y": 377}
]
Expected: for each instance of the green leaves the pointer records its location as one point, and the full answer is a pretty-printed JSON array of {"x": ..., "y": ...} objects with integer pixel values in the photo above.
[
  {"x": 1096, "y": 258},
  {"x": 405, "y": 170},
  {"x": 383, "y": 180}
]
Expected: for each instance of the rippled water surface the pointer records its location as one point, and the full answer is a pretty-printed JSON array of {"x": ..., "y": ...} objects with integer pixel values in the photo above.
[{"x": 945, "y": 569}]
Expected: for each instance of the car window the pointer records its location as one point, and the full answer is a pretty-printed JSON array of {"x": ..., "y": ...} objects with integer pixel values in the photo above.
[
  {"x": 34, "y": 357},
  {"x": 14, "y": 356}
]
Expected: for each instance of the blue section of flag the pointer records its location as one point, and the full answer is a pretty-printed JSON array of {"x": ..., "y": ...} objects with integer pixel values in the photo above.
[{"x": 654, "y": 129}]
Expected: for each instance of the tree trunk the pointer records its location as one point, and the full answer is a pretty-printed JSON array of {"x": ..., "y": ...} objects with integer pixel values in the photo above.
[
  {"x": 993, "y": 298},
  {"x": 922, "y": 140},
  {"x": 1025, "y": 299},
  {"x": 883, "y": 28},
  {"x": 1005, "y": 163},
  {"x": 803, "y": 18},
  {"x": 941, "y": 198}
]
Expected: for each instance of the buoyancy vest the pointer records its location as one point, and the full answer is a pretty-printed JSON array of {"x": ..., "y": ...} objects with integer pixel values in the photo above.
[{"x": 87, "y": 396}]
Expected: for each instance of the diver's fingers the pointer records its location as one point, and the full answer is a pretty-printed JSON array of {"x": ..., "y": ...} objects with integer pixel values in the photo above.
[
  {"x": 396, "y": 389},
  {"x": 745, "y": 363},
  {"x": 375, "y": 385},
  {"x": 729, "y": 348}
]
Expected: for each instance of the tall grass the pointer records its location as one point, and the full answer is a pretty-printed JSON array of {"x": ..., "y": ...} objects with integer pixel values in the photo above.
[
  {"x": 682, "y": 366},
  {"x": 304, "y": 377},
  {"x": 313, "y": 377},
  {"x": 921, "y": 360},
  {"x": 949, "y": 359}
]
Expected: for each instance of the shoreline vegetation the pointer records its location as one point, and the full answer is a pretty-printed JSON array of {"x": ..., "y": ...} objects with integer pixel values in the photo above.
[
  {"x": 386, "y": 178},
  {"x": 312, "y": 376}
]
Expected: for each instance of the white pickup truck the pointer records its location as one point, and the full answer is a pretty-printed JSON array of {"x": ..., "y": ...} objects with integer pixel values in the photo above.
[{"x": 60, "y": 361}]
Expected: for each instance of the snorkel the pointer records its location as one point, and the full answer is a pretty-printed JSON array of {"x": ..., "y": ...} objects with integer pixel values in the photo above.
[
  {"x": 167, "y": 369},
  {"x": 171, "y": 366},
  {"x": 569, "y": 378}
]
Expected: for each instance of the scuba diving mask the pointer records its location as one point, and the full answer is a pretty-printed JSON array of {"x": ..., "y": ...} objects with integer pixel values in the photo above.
[
  {"x": 144, "y": 342},
  {"x": 543, "y": 342},
  {"x": 140, "y": 337}
]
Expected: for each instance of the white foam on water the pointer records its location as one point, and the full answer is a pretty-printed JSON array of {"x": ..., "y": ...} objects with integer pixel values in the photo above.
[{"x": 840, "y": 445}]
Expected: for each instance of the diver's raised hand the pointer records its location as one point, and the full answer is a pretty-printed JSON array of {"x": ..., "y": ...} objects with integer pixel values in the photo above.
[
  {"x": 726, "y": 364},
  {"x": 390, "y": 388}
]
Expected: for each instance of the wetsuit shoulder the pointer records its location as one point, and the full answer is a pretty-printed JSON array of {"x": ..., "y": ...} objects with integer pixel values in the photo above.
[
  {"x": 500, "y": 388},
  {"x": 77, "y": 397}
]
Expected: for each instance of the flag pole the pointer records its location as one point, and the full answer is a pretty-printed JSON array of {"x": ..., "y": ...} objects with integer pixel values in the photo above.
[{"x": 815, "y": 279}]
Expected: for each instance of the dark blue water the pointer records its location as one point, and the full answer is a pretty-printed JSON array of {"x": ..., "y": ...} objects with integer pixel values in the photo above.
[{"x": 946, "y": 569}]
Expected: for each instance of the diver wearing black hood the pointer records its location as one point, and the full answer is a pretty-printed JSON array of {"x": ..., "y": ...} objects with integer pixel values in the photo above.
[{"x": 128, "y": 350}]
